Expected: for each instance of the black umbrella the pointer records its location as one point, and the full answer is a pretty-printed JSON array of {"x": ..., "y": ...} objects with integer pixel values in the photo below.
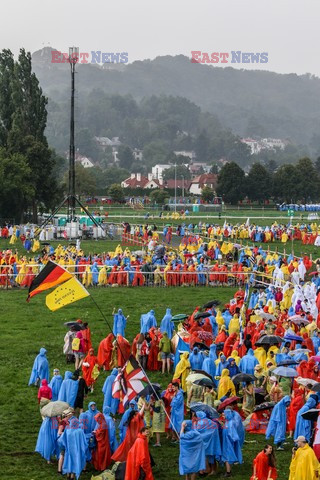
[
  {"x": 311, "y": 414},
  {"x": 204, "y": 382},
  {"x": 213, "y": 303},
  {"x": 74, "y": 325},
  {"x": 316, "y": 387},
  {"x": 202, "y": 315},
  {"x": 203, "y": 373},
  {"x": 202, "y": 407},
  {"x": 150, "y": 389},
  {"x": 243, "y": 377},
  {"x": 269, "y": 340},
  {"x": 264, "y": 406},
  {"x": 285, "y": 363},
  {"x": 201, "y": 346}
]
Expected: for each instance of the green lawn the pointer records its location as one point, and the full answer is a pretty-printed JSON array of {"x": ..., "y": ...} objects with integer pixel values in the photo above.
[{"x": 28, "y": 327}]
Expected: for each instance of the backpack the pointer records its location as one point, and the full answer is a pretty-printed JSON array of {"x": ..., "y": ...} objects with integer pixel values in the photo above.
[{"x": 76, "y": 344}]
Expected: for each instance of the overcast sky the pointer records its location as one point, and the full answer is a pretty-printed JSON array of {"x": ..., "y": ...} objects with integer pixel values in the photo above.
[{"x": 288, "y": 30}]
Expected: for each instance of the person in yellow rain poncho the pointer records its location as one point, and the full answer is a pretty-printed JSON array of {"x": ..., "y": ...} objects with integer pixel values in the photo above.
[
  {"x": 271, "y": 356},
  {"x": 219, "y": 319},
  {"x": 235, "y": 356},
  {"x": 87, "y": 277},
  {"x": 182, "y": 370},
  {"x": 225, "y": 385},
  {"x": 13, "y": 238},
  {"x": 261, "y": 356},
  {"x": 284, "y": 237},
  {"x": 102, "y": 277},
  {"x": 287, "y": 297},
  {"x": 118, "y": 250},
  {"x": 22, "y": 273},
  {"x": 226, "y": 247},
  {"x": 234, "y": 324},
  {"x": 158, "y": 276},
  {"x": 304, "y": 464},
  {"x": 36, "y": 245}
]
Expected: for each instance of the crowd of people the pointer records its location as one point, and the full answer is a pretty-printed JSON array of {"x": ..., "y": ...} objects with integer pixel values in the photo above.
[{"x": 250, "y": 366}]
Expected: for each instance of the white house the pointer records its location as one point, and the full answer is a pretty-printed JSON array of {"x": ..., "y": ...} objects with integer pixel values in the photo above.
[
  {"x": 206, "y": 180},
  {"x": 84, "y": 161},
  {"x": 157, "y": 170}
]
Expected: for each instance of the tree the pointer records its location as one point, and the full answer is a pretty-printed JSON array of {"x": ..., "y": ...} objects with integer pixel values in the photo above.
[
  {"x": 284, "y": 184},
  {"x": 182, "y": 171},
  {"x": 307, "y": 180},
  {"x": 85, "y": 181},
  {"x": 116, "y": 192},
  {"x": 258, "y": 183},
  {"x": 214, "y": 169},
  {"x": 231, "y": 183},
  {"x": 6, "y": 98},
  {"x": 16, "y": 185},
  {"x": 125, "y": 156},
  {"x": 207, "y": 194},
  {"x": 159, "y": 196}
]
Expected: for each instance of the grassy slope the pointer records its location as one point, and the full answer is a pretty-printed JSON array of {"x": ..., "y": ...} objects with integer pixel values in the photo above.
[{"x": 27, "y": 327}]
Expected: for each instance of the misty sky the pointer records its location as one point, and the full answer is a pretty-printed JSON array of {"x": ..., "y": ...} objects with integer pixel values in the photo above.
[{"x": 287, "y": 29}]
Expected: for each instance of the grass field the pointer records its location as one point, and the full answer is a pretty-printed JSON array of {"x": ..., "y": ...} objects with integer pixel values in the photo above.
[{"x": 28, "y": 327}]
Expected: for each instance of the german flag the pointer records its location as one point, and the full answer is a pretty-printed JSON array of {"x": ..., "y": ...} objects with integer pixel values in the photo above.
[{"x": 51, "y": 275}]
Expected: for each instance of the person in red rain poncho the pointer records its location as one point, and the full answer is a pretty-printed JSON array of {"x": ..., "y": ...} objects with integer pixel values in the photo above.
[
  {"x": 86, "y": 335},
  {"x": 167, "y": 398},
  {"x": 44, "y": 392},
  {"x": 87, "y": 367},
  {"x": 264, "y": 465},
  {"x": 153, "y": 362},
  {"x": 101, "y": 456},
  {"x": 228, "y": 346},
  {"x": 138, "y": 279},
  {"x": 105, "y": 351},
  {"x": 297, "y": 402},
  {"x": 113, "y": 278},
  {"x": 122, "y": 276},
  {"x": 135, "y": 423},
  {"x": 123, "y": 350},
  {"x": 139, "y": 458},
  {"x": 222, "y": 336}
]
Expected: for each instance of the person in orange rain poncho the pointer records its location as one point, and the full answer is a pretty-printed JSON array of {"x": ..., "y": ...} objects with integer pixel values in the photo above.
[
  {"x": 135, "y": 423},
  {"x": 90, "y": 369},
  {"x": 105, "y": 351},
  {"x": 139, "y": 458},
  {"x": 264, "y": 465}
]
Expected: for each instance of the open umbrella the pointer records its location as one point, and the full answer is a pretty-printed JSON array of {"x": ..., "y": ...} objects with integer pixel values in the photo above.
[
  {"x": 294, "y": 317},
  {"x": 286, "y": 363},
  {"x": 193, "y": 377},
  {"x": 213, "y": 303},
  {"x": 264, "y": 406},
  {"x": 228, "y": 401},
  {"x": 202, "y": 315},
  {"x": 204, "y": 382},
  {"x": 243, "y": 377},
  {"x": 285, "y": 372},
  {"x": 311, "y": 414},
  {"x": 316, "y": 358},
  {"x": 149, "y": 389},
  {"x": 74, "y": 325},
  {"x": 267, "y": 316},
  {"x": 180, "y": 316},
  {"x": 269, "y": 340},
  {"x": 202, "y": 407},
  {"x": 306, "y": 381},
  {"x": 316, "y": 387},
  {"x": 290, "y": 338},
  {"x": 53, "y": 409},
  {"x": 201, "y": 346},
  {"x": 300, "y": 321},
  {"x": 313, "y": 273},
  {"x": 299, "y": 350}
]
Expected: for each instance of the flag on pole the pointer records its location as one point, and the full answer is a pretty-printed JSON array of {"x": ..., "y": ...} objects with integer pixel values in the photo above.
[
  {"x": 129, "y": 382},
  {"x": 69, "y": 292},
  {"x": 50, "y": 276}
]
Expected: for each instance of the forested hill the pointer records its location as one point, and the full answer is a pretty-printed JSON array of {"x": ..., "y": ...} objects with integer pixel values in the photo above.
[{"x": 249, "y": 102}]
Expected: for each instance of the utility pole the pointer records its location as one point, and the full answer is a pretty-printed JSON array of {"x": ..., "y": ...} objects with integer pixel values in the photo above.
[
  {"x": 175, "y": 187},
  {"x": 73, "y": 60}
]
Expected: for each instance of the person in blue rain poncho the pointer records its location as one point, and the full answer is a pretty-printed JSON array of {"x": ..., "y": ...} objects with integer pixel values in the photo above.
[
  {"x": 209, "y": 365},
  {"x": 147, "y": 321},
  {"x": 196, "y": 359},
  {"x": 253, "y": 299},
  {"x": 55, "y": 384},
  {"x": 111, "y": 429},
  {"x": 227, "y": 317},
  {"x": 231, "y": 441},
  {"x": 95, "y": 273},
  {"x": 40, "y": 369},
  {"x": 209, "y": 431},
  {"x": 278, "y": 422},
  {"x": 248, "y": 362},
  {"x": 87, "y": 418},
  {"x": 177, "y": 410},
  {"x": 109, "y": 400},
  {"x": 181, "y": 347},
  {"x": 47, "y": 438},
  {"x": 69, "y": 389},
  {"x": 304, "y": 427},
  {"x": 214, "y": 325},
  {"x": 123, "y": 423},
  {"x": 74, "y": 444},
  {"x": 167, "y": 324},
  {"x": 221, "y": 364},
  {"x": 119, "y": 323},
  {"x": 192, "y": 457}
]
